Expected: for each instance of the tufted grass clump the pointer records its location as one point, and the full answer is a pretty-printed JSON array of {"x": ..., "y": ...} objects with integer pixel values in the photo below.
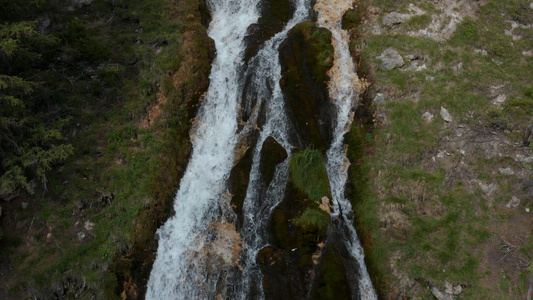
[
  {"x": 418, "y": 22},
  {"x": 353, "y": 17},
  {"x": 466, "y": 33},
  {"x": 308, "y": 173},
  {"x": 313, "y": 218}
]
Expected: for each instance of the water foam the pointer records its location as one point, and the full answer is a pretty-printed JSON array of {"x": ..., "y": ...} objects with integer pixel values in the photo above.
[
  {"x": 344, "y": 89},
  {"x": 184, "y": 257}
]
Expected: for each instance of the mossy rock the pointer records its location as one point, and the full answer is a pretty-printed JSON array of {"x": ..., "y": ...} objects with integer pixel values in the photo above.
[
  {"x": 274, "y": 15},
  {"x": 358, "y": 191},
  {"x": 287, "y": 265},
  {"x": 288, "y": 261},
  {"x": 332, "y": 283},
  {"x": 307, "y": 57},
  {"x": 272, "y": 154},
  {"x": 287, "y": 235},
  {"x": 283, "y": 233},
  {"x": 281, "y": 277},
  {"x": 354, "y": 139},
  {"x": 205, "y": 14}
]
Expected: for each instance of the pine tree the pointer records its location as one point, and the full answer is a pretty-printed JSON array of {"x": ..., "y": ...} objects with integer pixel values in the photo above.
[{"x": 30, "y": 140}]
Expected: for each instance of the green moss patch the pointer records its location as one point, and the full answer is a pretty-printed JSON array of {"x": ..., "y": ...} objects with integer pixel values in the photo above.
[{"x": 313, "y": 218}]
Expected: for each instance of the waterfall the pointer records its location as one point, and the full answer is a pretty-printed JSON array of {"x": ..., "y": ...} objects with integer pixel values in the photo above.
[
  {"x": 199, "y": 248},
  {"x": 344, "y": 89},
  {"x": 265, "y": 82},
  {"x": 189, "y": 239}
]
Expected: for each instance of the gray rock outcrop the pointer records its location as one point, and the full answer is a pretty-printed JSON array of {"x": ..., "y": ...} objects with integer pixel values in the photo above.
[
  {"x": 440, "y": 295},
  {"x": 446, "y": 116},
  {"x": 379, "y": 99},
  {"x": 391, "y": 59},
  {"x": 392, "y": 19}
]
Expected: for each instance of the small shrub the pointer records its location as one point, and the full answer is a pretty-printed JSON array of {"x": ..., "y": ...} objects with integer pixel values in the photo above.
[
  {"x": 519, "y": 11},
  {"x": 114, "y": 136},
  {"x": 529, "y": 92},
  {"x": 148, "y": 139},
  {"x": 466, "y": 32},
  {"x": 428, "y": 6},
  {"x": 130, "y": 131},
  {"x": 352, "y": 18},
  {"x": 519, "y": 106},
  {"x": 498, "y": 47},
  {"x": 82, "y": 44},
  {"x": 111, "y": 75}
]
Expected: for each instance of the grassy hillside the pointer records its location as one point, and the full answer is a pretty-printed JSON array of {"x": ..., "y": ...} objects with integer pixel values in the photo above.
[
  {"x": 446, "y": 198},
  {"x": 124, "y": 76}
]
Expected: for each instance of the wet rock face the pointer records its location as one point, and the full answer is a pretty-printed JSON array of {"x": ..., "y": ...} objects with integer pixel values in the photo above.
[
  {"x": 307, "y": 55},
  {"x": 274, "y": 14},
  {"x": 205, "y": 15},
  {"x": 238, "y": 183},
  {"x": 272, "y": 154},
  {"x": 282, "y": 280},
  {"x": 332, "y": 282},
  {"x": 286, "y": 264}
]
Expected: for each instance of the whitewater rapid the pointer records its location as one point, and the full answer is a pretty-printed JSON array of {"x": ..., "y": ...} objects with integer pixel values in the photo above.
[
  {"x": 344, "y": 90},
  {"x": 179, "y": 271}
]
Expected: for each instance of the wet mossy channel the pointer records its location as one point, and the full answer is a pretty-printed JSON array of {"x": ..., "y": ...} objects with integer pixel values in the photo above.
[
  {"x": 300, "y": 261},
  {"x": 307, "y": 56},
  {"x": 303, "y": 258}
]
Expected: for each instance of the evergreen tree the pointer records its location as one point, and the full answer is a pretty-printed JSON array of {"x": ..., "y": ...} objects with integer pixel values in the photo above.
[{"x": 30, "y": 138}]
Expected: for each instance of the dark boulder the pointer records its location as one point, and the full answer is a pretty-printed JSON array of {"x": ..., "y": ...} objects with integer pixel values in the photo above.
[
  {"x": 272, "y": 154},
  {"x": 238, "y": 183},
  {"x": 282, "y": 279}
]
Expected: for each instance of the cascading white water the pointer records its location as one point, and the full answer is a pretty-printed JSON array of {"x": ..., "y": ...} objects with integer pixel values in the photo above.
[
  {"x": 180, "y": 268},
  {"x": 344, "y": 89},
  {"x": 266, "y": 83},
  {"x": 198, "y": 243}
]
